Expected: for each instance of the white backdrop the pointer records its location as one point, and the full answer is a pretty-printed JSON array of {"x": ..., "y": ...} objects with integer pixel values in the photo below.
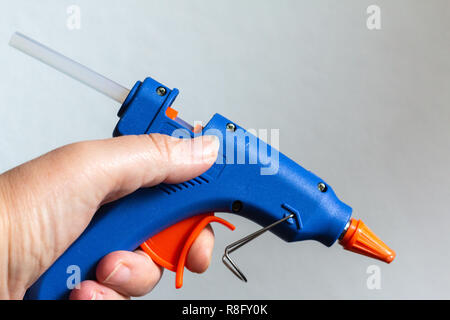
[{"x": 366, "y": 110}]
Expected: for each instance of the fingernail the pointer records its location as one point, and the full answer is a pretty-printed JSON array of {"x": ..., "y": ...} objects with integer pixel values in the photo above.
[
  {"x": 210, "y": 147},
  {"x": 120, "y": 275}
]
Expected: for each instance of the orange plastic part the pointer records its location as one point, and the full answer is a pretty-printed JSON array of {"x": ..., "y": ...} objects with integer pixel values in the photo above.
[
  {"x": 360, "y": 239},
  {"x": 171, "y": 113},
  {"x": 170, "y": 247}
]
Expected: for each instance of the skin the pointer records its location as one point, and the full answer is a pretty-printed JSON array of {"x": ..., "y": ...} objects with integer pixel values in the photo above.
[{"x": 46, "y": 203}]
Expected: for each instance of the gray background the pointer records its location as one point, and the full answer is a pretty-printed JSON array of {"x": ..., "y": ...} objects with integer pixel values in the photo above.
[{"x": 366, "y": 110}]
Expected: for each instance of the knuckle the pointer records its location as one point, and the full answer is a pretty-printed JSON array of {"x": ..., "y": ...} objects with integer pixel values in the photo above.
[{"x": 161, "y": 145}]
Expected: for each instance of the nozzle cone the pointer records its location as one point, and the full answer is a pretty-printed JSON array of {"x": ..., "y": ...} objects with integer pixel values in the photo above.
[{"x": 360, "y": 239}]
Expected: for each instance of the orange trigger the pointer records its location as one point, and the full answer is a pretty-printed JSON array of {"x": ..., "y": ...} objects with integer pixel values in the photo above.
[
  {"x": 202, "y": 224},
  {"x": 170, "y": 247}
]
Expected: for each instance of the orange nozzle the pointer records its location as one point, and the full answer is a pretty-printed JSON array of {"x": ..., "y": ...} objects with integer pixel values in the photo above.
[{"x": 360, "y": 239}]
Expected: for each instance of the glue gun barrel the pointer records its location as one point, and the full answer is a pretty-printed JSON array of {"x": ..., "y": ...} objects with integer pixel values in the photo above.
[{"x": 360, "y": 239}]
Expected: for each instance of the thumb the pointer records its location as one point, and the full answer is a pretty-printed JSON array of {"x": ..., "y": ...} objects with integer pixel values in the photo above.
[
  {"x": 52, "y": 198},
  {"x": 116, "y": 167},
  {"x": 104, "y": 170}
]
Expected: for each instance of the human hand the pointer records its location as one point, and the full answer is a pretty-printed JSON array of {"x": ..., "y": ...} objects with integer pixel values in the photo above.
[{"x": 46, "y": 203}]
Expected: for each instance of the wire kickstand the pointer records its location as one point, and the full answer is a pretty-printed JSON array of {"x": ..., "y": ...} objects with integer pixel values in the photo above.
[{"x": 230, "y": 264}]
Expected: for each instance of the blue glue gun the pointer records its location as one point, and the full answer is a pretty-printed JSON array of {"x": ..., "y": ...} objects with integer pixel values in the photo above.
[{"x": 249, "y": 178}]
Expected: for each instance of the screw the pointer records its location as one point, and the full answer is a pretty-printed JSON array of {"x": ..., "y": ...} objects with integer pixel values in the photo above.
[
  {"x": 161, "y": 91},
  {"x": 231, "y": 127},
  {"x": 236, "y": 206},
  {"x": 322, "y": 187}
]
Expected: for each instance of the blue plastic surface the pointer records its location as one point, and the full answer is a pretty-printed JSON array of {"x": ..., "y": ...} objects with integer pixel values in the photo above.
[{"x": 128, "y": 222}]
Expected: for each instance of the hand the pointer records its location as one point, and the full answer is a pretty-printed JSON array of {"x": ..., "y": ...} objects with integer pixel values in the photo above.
[{"x": 45, "y": 205}]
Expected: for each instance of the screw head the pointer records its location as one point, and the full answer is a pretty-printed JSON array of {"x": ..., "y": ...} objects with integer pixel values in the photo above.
[
  {"x": 322, "y": 187},
  {"x": 161, "y": 91},
  {"x": 236, "y": 206},
  {"x": 231, "y": 127}
]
